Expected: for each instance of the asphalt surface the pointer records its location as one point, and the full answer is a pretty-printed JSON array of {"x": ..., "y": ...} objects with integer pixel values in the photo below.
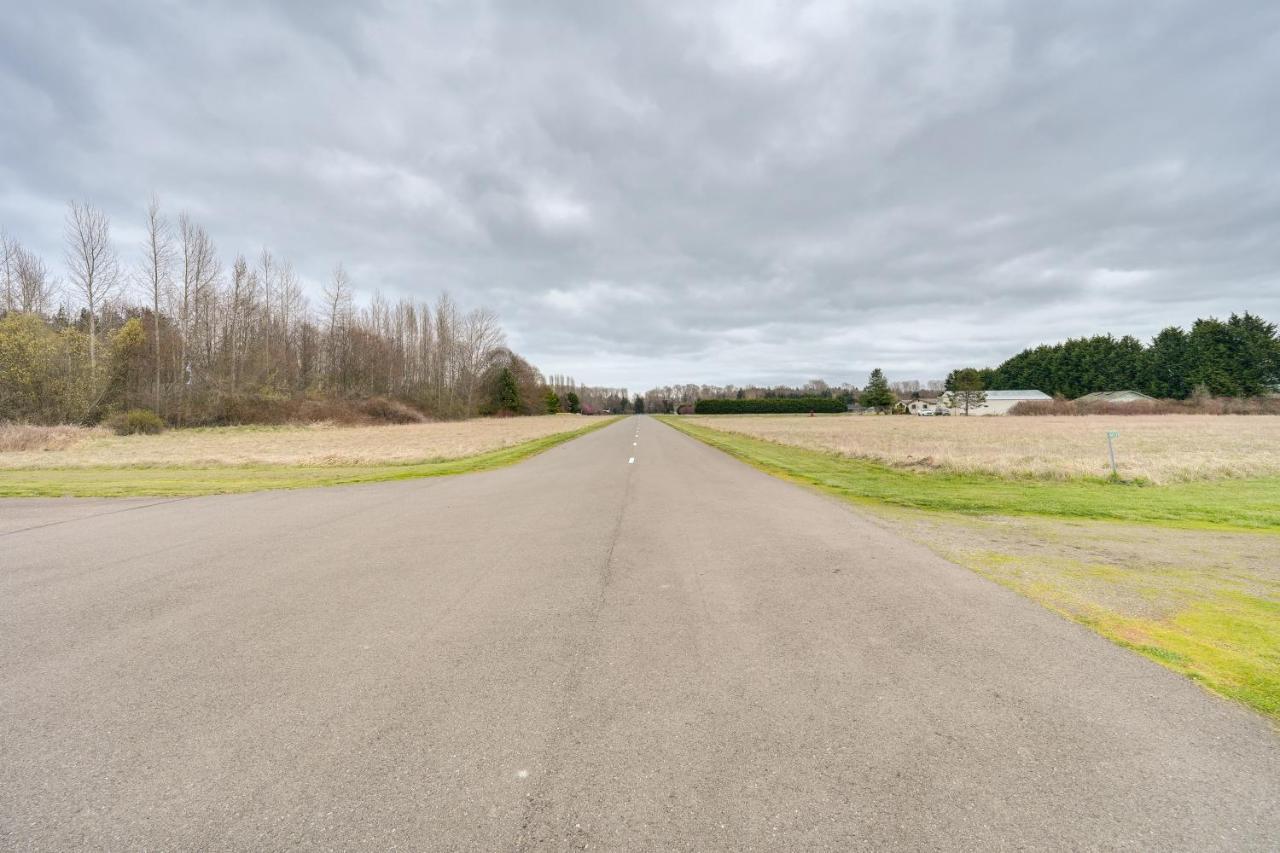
[{"x": 580, "y": 651}]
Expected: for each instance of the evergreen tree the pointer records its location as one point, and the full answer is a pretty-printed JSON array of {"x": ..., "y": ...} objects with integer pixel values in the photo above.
[
  {"x": 575, "y": 404},
  {"x": 877, "y": 394},
  {"x": 1168, "y": 365},
  {"x": 553, "y": 402},
  {"x": 508, "y": 396},
  {"x": 1238, "y": 358},
  {"x": 965, "y": 390},
  {"x": 638, "y": 405}
]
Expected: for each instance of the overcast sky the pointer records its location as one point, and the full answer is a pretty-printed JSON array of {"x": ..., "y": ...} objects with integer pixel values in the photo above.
[{"x": 669, "y": 192}]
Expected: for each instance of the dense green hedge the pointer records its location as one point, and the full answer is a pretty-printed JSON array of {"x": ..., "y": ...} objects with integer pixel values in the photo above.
[
  {"x": 1238, "y": 357},
  {"x": 769, "y": 406}
]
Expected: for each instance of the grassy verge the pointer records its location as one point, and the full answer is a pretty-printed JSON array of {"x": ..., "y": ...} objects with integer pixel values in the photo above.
[
  {"x": 135, "y": 481},
  {"x": 1185, "y": 575},
  {"x": 1223, "y": 504},
  {"x": 1205, "y": 603}
]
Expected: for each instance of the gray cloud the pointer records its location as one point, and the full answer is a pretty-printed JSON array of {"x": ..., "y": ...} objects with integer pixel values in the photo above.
[{"x": 721, "y": 192}]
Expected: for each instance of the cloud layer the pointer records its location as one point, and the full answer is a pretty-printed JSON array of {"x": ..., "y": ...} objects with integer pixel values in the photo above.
[{"x": 659, "y": 192}]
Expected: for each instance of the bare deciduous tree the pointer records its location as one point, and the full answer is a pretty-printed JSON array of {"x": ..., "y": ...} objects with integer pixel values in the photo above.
[
  {"x": 337, "y": 296},
  {"x": 7, "y": 252},
  {"x": 91, "y": 262},
  {"x": 291, "y": 310},
  {"x": 35, "y": 287},
  {"x": 28, "y": 287},
  {"x": 157, "y": 273},
  {"x": 444, "y": 360},
  {"x": 267, "y": 273},
  {"x": 199, "y": 273},
  {"x": 481, "y": 336}
]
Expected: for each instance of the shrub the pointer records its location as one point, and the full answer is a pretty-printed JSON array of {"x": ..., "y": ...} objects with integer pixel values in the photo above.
[
  {"x": 275, "y": 409},
  {"x": 769, "y": 406},
  {"x": 390, "y": 411},
  {"x": 245, "y": 408},
  {"x": 136, "y": 422}
]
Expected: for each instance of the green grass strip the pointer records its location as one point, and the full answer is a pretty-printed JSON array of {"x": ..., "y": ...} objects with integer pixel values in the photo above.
[
  {"x": 1252, "y": 504},
  {"x": 100, "y": 482}
]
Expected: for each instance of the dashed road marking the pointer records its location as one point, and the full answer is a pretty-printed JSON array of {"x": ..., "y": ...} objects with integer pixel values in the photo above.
[{"x": 631, "y": 461}]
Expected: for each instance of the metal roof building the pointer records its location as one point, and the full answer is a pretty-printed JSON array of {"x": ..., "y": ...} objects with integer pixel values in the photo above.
[
  {"x": 999, "y": 402},
  {"x": 1114, "y": 397}
]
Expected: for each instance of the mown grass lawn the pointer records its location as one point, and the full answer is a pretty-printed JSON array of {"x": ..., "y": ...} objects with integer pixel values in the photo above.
[
  {"x": 1185, "y": 574},
  {"x": 136, "y": 480}
]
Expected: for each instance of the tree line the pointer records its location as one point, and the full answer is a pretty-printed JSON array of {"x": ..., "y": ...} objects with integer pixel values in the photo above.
[
  {"x": 1237, "y": 357},
  {"x": 667, "y": 398},
  {"x": 768, "y": 405},
  {"x": 878, "y": 393},
  {"x": 591, "y": 399},
  {"x": 169, "y": 326}
]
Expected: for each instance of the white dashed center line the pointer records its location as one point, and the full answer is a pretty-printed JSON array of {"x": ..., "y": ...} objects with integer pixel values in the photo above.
[{"x": 631, "y": 461}]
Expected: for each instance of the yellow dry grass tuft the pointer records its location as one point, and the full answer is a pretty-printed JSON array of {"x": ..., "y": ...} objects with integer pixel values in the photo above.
[
  {"x": 26, "y": 438},
  {"x": 316, "y": 444},
  {"x": 1160, "y": 449}
]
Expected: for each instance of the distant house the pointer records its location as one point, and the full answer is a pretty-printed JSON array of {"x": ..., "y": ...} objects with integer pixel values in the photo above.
[
  {"x": 926, "y": 401},
  {"x": 922, "y": 406},
  {"x": 1114, "y": 397},
  {"x": 1000, "y": 402}
]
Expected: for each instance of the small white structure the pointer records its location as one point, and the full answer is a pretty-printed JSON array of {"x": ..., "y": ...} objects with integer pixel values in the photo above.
[
  {"x": 922, "y": 407},
  {"x": 1000, "y": 402},
  {"x": 1114, "y": 397}
]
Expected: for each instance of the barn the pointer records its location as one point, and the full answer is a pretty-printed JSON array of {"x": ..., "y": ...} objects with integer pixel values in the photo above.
[
  {"x": 1000, "y": 402},
  {"x": 1115, "y": 397}
]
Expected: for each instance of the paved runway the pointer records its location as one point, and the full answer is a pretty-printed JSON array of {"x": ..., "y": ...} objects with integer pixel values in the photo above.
[{"x": 629, "y": 642}]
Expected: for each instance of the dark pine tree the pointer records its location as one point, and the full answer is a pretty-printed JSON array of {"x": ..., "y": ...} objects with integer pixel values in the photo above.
[
  {"x": 508, "y": 396},
  {"x": 877, "y": 394}
]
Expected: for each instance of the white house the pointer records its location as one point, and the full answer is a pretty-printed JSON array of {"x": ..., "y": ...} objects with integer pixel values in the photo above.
[
  {"x": 1000, "y": 402},
  {"x": 922, "y": 406}
]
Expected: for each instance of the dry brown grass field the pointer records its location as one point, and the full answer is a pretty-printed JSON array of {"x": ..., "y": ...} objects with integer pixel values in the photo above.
[
  {"x": 1158, "y": 448},
  {"x": 31, "y": 447}
]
